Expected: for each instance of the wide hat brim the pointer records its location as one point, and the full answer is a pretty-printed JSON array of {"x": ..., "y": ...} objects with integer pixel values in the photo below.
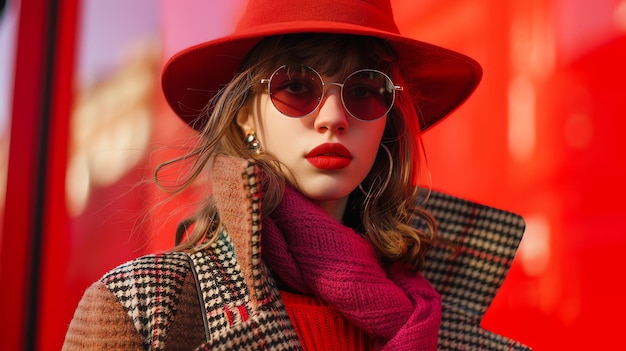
[{"x": 442, "y": 79}]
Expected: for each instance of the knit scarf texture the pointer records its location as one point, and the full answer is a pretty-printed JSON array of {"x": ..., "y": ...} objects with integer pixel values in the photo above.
[{"x": 314, "y": 254}]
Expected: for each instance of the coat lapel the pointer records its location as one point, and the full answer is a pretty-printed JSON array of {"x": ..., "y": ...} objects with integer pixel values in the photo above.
[{"x": 469, "y": 274}]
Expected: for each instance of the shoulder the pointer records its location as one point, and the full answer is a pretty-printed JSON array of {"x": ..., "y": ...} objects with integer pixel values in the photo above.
[
  {"x": 172, "y": 266},
  {"x": 149, "y": 290},
  {"x": 98, "y": 317},
  {"x": 469, "y": 275},
  {"x": 148, "y": 277}
]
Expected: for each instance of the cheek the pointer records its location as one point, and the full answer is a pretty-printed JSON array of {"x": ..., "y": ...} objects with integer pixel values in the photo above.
[
  {"x": 274, "y": 130},
  {"x": 372, "y": 135},
  {"x": 368, "y": 145}
]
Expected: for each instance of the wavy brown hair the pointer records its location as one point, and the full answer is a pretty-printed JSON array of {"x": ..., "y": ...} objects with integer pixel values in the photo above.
[{"x": 387, "y": 213}]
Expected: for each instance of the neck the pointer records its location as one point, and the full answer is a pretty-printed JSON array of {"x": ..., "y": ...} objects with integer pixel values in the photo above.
[{"x": 334, "y": 208}]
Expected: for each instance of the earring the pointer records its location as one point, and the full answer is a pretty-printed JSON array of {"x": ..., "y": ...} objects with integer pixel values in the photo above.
[
  {"x": 368, "y": 194},
  {"x": 253, "y": 143}
]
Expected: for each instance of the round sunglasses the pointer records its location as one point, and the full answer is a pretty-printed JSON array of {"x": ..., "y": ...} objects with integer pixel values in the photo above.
[{"x": 297, "y": 91}]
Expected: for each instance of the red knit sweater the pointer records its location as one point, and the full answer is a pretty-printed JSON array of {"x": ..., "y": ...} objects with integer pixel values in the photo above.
[{"x": 322, "y": 327}]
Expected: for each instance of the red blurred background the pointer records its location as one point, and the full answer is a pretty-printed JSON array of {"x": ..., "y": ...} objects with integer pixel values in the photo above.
[{"x": 83, "y": 123}]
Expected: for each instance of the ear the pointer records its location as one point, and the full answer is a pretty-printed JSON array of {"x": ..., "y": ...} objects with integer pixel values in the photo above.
[{"x": 245, "y": 120}]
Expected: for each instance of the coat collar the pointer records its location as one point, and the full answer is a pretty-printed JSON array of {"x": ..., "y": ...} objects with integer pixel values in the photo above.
[
  {"x": 238, "y": 201},
  {"x": 467, "y": 276}
]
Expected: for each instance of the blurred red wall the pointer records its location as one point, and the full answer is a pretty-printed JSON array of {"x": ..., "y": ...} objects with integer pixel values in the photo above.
[{"x": 541, "y": 137}]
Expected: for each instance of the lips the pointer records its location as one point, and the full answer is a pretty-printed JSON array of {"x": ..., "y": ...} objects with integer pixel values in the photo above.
[{"x": 329, "y": 156}]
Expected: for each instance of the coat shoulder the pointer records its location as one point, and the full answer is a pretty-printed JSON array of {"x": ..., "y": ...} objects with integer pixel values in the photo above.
[
  {"x": 145, "y": 282},
  {"x": 469, "y": 273}
]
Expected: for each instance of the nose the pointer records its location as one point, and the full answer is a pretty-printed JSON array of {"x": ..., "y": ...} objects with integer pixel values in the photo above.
[{"x": 331, "y": 114}]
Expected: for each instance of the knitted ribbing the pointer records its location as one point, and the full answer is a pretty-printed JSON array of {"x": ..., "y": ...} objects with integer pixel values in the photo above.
[
  {"x": 313, "y": 253},
  {"x": 322, "y": 327}
]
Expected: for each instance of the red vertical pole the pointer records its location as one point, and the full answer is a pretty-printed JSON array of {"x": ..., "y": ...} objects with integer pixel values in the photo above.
[
  {"x": 22, "y": 196},
  {"x": 41, "y": 95},
  {"x": 55, "y": 307}
]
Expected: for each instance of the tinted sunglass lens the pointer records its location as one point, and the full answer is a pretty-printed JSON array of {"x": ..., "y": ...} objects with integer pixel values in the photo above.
[
  {"x": 295, "y": 91},
  {"x": 368, "y": 94}
]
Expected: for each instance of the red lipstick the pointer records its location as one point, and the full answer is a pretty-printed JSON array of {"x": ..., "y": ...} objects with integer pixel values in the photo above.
[{"x": 329, "y": 156}]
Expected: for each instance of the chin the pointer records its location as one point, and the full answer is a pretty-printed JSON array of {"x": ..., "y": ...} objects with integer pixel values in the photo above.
[
  {"x": 326, "y": 193},
  {"x": 327, "y": 187}
]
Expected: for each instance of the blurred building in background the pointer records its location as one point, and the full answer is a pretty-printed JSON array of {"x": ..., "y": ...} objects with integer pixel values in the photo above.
[{"x": 83, "y": 125}]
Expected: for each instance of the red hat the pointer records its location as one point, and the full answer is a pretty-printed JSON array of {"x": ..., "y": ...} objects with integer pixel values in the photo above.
[{"x": 443, "y": 77}]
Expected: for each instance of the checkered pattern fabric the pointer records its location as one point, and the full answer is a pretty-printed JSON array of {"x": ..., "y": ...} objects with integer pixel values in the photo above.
[
  {"x": 232, "y": 324},
  {"x": 469, "y": 276},
  {"x": 231, "y": 321},
  {"x": 148, "y": 288},
  {"x": 259, "y": 273},
  {"x": 223, "y": 290}
]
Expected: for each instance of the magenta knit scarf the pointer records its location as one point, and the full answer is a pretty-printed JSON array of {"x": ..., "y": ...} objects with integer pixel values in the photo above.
[{"x": 314, "y": 254}]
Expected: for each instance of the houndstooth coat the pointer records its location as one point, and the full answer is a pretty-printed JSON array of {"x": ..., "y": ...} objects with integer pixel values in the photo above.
[{"x": 223, "y": 298}]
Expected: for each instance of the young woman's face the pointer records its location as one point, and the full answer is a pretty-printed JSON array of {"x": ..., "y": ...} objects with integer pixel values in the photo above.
[{"x": 326, "y": 153}]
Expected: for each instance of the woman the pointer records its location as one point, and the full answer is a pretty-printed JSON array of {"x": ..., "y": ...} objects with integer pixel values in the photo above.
[{"x": 313, "y": 236}]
